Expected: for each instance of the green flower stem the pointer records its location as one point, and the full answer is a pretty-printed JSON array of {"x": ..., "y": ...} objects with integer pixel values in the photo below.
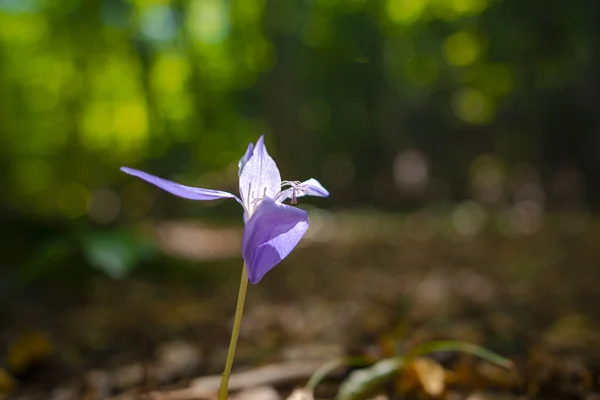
[{"x": 237, "y": 321}]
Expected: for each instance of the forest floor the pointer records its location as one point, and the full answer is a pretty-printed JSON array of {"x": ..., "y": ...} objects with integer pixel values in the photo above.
[{"x": 363, "y": 285}]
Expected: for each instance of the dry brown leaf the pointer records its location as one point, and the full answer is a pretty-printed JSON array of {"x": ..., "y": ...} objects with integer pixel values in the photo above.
[
  {"x": 7, "y": 383},
  {"x": 424, "y": 374},
  {"x": 431, "y": 375},
  {"x": 27, "y": 350}
]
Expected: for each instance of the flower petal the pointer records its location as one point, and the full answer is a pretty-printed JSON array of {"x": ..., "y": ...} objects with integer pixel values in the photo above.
[
  {"x": 187, "y": 192},
  {"x": 270, "y": 235},
  {"x": 245, "y": 159},
  {"x": 310, "y": 187},
  {"x": 313, "y": 187},
  {"x": 260, "y": 176}
]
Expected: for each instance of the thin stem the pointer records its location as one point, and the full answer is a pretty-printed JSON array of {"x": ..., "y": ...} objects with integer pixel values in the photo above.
[{"x": 237, "y": 321}]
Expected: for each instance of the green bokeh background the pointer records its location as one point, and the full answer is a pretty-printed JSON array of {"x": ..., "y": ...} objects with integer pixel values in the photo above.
[{"x": 392, "y": 104}]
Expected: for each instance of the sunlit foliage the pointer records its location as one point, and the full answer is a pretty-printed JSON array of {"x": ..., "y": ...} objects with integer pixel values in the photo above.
[{"x": 88, "y": 86}]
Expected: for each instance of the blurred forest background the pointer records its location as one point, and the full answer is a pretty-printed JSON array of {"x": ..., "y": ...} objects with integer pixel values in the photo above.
[
  {"x": 393, "y": 104},
  {"x": 444, "y": 115}
]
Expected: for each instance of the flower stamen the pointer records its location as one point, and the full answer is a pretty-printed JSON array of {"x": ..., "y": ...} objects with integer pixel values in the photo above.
[{"x": 296, "y": 187}]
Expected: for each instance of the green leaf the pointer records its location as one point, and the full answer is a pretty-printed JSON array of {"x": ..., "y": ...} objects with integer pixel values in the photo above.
[
  {"x": 365, "y": 382},
  {"x": 327, "y": 368},
  {"x": 115, "y": 253},
  {"x": 463, "y": 347}
]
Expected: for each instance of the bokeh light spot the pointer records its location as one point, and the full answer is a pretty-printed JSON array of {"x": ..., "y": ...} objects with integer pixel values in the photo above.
[
  {"x": 158, "y": 23},
  {"x": 22, "y": 28},
  {"x": 105, "y": 206},
  {"x": 130, "y": 123},
  {"x": 405, "y": 11},
  {"x": 473, "y": 107},
  {"x": 488, "y": 177},
  {"x": 411, "y": 172},
  {"x": 468, "y": 218},
  {"x": 19, "y": 6},
  {"x": 170, "y": 73},
  {"x": 208, "y": 20},
  {"x": 461, "y": 48},
  {"x": 95, "y": 126}
]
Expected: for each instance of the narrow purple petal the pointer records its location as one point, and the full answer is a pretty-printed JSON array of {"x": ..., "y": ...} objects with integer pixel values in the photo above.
[
  {"x": 313, "y": 187},
  {"x": 270, "y": 235},
  {"x": 310, "y": 187},
  {"x": 260, "y": 176},
  {"x": 245, "y": 159},
  {"x": 187, "y": 192}
]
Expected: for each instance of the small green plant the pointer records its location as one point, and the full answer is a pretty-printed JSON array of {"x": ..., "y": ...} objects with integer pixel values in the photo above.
[{"x": 363, "y": 383}]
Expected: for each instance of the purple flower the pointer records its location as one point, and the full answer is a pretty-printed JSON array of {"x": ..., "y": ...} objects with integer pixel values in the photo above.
[{"x": 272, "y": 228}]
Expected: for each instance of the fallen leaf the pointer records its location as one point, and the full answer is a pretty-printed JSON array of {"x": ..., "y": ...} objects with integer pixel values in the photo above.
[
  {"x": 27, "y": 350},
  {"x": 425, "y": 375},
  {"x": 7, "y": 384}
]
